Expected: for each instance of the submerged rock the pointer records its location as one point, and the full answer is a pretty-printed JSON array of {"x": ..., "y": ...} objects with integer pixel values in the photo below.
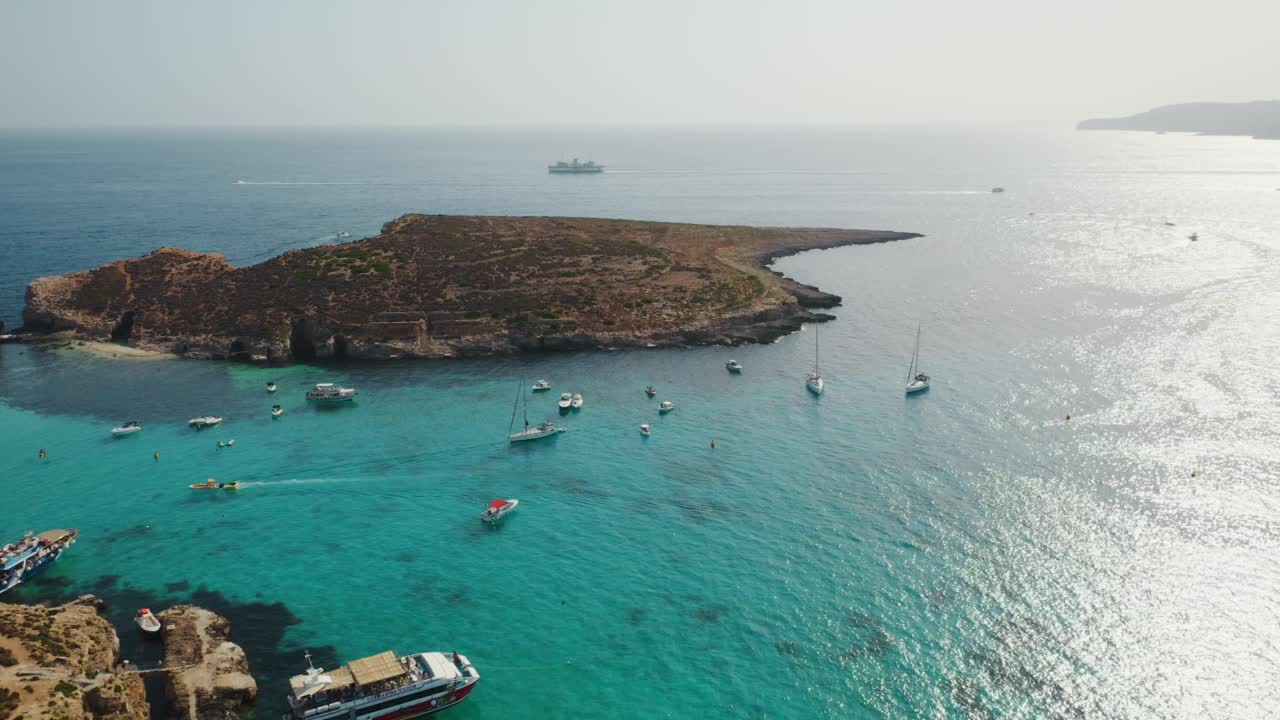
[{"x": 448, "y": 286}]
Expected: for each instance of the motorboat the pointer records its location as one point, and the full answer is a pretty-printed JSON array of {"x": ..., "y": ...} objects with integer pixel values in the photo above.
[
  {"x": 276, "y": 411},
  {"x": 651, "y": 391},
  {"x": 577, "y": 401},
  {"x": 126, "y": 429},
  {"x": 733, "y": 366},
  {"x": 541, "y": 386},
  {"x": 665, "y": 407},
  {"x": 147, "y": 621},
  {"x": 226, "y": 443},
  {"x": 385, "y": 686},
  {"x": 499, "y": 509},
  {"x": 997, "y": 189},
  {"x": 644, "y": 430},
  {"x": 212, "y": 484},
  {"x": 536, "y": 432},
  {"x": 330, "y": 393},
  {"x": 1193, "y": 237},
  {"x": 342, "y": 234},
  {"x": 916, "y": 380},
  {"x": 207, "y": 421},
  {"x": 566, "y": 399},
  {"x": 271, "y": 387}
]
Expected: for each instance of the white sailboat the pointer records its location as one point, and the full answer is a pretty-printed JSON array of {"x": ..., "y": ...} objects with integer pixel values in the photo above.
[
  {"x": 916, "y": 380},
  {"x": 530, "y": 432},
  {"x": 814, "y": 380}
]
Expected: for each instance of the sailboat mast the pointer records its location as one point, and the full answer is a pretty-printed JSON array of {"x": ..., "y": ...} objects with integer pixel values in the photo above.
[
  {"x": 815, "y": 350},
  {"x": 915, "y": 356}
]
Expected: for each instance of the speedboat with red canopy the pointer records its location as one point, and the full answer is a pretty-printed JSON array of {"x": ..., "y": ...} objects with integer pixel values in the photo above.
[{"x": 499, "y": 509}]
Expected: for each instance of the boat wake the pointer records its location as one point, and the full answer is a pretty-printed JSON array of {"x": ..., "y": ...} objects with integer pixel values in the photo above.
[
  {"x": 295, "y": 481},
  {"x": 299, "y": 182}
]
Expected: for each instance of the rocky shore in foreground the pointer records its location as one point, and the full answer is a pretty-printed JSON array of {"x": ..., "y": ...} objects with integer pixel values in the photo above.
[
  {"x": 63, "y": 663},
  {"x": 432, "y": 286}
]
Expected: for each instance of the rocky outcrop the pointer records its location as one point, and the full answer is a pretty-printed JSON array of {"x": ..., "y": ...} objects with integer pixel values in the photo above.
[
  {"x": 208, "y": 676},
  {"x": 60, "y": 662},
  {"x": 451, "y": 286}
]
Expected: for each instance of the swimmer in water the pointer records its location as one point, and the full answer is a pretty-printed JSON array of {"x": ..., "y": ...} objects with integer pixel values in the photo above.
[
  {"x": 157, "y": 456},
  {"x": 713, "y": 444},
  {"x": 43, "y": 454}
]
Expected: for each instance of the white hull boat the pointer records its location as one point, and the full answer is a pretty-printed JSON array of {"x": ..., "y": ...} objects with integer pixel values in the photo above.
[
  {"x": 814, "y": 380},
  {"x": 126, "y": 429},
  {"x": 733, "y": 367},
  {"x": 204, "y": 422},
  {"x": 147, "y": 622},
  {"x": 277, "y": 411},
  {"x": 271, "y": 387},
  {"x": 665, "y": 407},
  {"x": 536, "y": 432},
  {"x": 499, "y": 509},
  {"x": 566, "y": 400},
  {"x": 651, "y": 391},
  {"x": 916, "y": 380},
  {"x": 541, "y": 386},
  {"x": 644, "y": 430},
  {"x": 577, "y": 401},
  {"x": 331, "y": 394},
  {"x": 385, "y": 686}
]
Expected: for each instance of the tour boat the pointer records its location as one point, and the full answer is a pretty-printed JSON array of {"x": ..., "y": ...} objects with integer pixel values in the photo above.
[
  {"x": 541, "y": 386},
  {"x": 916, "y": 380},
  {"x": 644, "y": 430},
  {"x": 128, "y": 428},
  {"x": 276, "y": 411},
  {"x": 651, "y": 391},
  {"x": 814, "y": 380},
  {"x": 665, "y": 407},
  {"x": 577, "y": 401},
  {"x": 330, "y": 393},
  {"x": 574, "y": 168},
  {"x": 733, "y": 366},
  {"x": 530, "y": 432},
  {"x": 566, "y": 399},
  {"x": 31, "y": 555},
  {"x": 204, "y": 422},
  {"x": 499, "y": 509},
  {"x": 382, "y": 687},
  {"x": 271, "y": 387},
  {"x": 147, "y": 621}
]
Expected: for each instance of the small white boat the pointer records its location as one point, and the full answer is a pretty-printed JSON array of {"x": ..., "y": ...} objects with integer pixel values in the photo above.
[
  {"x": 733, "y": 366},
  {"x": 330, "y": 393},
  {"x": 147, "y": 621},
  {"x": 916, "y": 380},
  {"x": 644, "y": 430},
  {"x": 566, "y": 399},
  {"x": 271, "y": 387},
  {"x": 126, "y": 429},
  {"x": 226, "y": 443},
  {"x": 651, "y": 391},
  {"x": 343, "y": 234},
  {"x": 499, "y": 509},
  {"x": 813, "y": 381},
  {"x": 204, "y": 422},
  {"x": 665, "y": 407},
  {"x": 541, "y": 386},
  {"x": 276, "y": 411},
  {"x": 997, "y": 189},
  {"x": 577, "y": 401}
]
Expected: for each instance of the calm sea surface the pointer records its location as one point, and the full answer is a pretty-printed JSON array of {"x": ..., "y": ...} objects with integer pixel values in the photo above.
[{"x": 968, "y": 552}]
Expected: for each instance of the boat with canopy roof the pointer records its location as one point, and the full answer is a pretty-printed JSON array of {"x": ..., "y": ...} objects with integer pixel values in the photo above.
[
  {"x": 382, "y": 687},
  {"x": 499, "y": 509}
]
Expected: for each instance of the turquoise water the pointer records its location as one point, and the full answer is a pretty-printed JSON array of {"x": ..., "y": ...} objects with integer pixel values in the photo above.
[{"x": 964, "y": 553}]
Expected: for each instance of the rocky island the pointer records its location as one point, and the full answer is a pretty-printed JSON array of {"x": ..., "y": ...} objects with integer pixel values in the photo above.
[
  {"x": 63, "y": 663},
  {"x": 432, "y": 286},
  {"x": 1259, "y": 119}
]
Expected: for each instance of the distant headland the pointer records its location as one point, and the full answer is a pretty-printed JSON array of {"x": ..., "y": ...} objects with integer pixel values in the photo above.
[
  {"x": 432, "y": 286},
  {"x": 1260, "y": 119}
]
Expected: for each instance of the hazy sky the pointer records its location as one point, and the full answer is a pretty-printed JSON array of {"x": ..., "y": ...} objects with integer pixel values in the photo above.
[{"x": 557, "y": 62}]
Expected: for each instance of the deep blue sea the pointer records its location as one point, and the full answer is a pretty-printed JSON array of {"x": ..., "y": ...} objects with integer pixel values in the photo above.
[{"x": 966, "y": 553}]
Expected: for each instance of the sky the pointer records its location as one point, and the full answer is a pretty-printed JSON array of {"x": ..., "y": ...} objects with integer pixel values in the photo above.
[{"x": 140, "y": 63}]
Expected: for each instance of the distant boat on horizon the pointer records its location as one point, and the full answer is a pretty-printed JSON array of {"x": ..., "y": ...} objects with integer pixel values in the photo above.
[{"x": 574, "y": 167}]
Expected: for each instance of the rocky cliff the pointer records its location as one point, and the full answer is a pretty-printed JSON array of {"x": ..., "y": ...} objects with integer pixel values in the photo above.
[
  {"x": 60, "y": 662},
  {"x": 208, "y": 676},
  {"x": 1260, "y": 119},
  {"x": 443, "y": 286}
]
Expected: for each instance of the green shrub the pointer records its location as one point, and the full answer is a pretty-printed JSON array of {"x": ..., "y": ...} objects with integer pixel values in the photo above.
[{"x": 66, "y": 688}]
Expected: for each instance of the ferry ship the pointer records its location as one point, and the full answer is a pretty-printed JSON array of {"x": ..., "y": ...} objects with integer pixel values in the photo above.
[
  {"x": 575, "y": 167},
  {"x": 382, "y": 687},
  {"x": 31, "y": 555},
  {"x": 330, "y": 393}
]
